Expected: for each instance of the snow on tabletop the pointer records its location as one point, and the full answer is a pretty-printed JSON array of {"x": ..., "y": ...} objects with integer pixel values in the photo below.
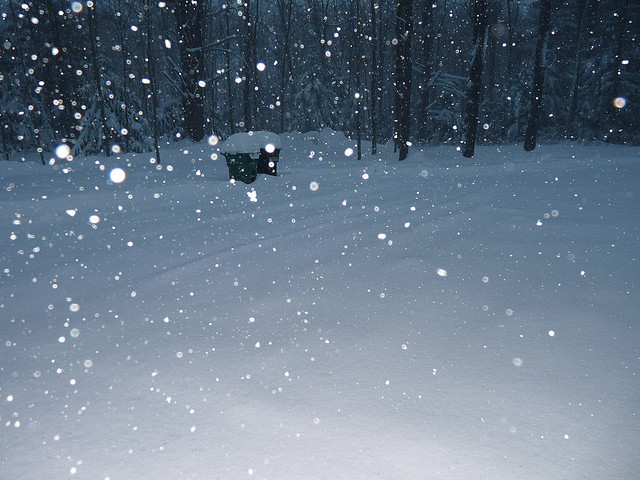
[{"x": 251, "y": 142}]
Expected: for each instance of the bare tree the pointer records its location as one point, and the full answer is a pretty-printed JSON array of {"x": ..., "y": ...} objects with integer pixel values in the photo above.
[
  {"x": 403, "y": 74},
  {"x": 227, "y": 56},
  {"x": 583, "y": 10},
  {"x": 358, "y": 86},
  {"x": 151, "y": 73},
  {"x": 61, "y": 82},
  {"x": 285, "y": 11},
  {"x": 190, "y": 20},
  {"x": 95, "y": 66},
  {"x": 374, "y": 77},
  {"x": 480, "y": 31},
  {"x": 531, "y": 134}
]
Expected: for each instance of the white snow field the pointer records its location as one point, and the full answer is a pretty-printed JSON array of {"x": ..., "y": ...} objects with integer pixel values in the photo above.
[{"x": 439, "y": 318}]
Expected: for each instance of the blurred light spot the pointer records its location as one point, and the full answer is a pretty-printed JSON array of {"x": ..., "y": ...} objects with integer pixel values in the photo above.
[
  {"x": 213, "y": 140},
  {"x": 261, "y": 66},
  {"x": 348, "y": 152},
  {"x": 269, "y": 148},
  {"x": 313, "y": 186},
  {"x": 63, "y": 151},
  {"x": 442, "y": 272},
  {"x": 94, "y": 219},
  {"x": 117, "y": 175},
  {"x": 619, "y": 102},
  {"x": 498, "y": 30},
  {"x": 517, "y": 362}
]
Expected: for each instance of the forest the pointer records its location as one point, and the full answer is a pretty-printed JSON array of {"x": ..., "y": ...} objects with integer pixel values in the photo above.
[{"x": 116, "y": 76}]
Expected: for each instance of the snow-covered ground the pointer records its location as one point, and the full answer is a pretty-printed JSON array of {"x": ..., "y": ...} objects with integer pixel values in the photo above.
[{"x": 435, "y": 318}]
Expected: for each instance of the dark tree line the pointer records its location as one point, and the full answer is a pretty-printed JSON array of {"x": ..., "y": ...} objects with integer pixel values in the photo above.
[{"x": 127, "y": 75}]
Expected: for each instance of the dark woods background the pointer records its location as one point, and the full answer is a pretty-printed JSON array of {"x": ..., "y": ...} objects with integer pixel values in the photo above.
[{"x": 127, "y": 75}]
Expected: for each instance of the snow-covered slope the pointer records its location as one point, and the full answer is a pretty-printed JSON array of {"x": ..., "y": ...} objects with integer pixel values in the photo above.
[{"x": 435, "y": 318}]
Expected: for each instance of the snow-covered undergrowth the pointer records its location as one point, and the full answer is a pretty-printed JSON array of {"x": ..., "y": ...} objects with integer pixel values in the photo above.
[{"x": 435, "y": 318}]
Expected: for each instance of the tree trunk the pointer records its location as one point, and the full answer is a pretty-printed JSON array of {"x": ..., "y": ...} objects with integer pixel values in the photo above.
[
  {"x": 358, "y": 68},
  {"x": 5, "y": 144},
  {"x": 620, "y": 30},
  {"x": 474, "y": 89},
  {"x": 95, "y": 65},
  {"x": 126, "y": 82},
  {"x": 60, "y": 84},
  {"x": 286, "y": 58},
  {"x": 427, "y": 47},
  {"x": 30, "y": 123},
  {"x": 531, "y": 134},
  {"x": 249, "y": 65},
  {"x": 616, "y": 126},
  {"x": 510, "y": 29},
  {"x": 190, "y": 19},
  {"x": 403, "y": 74},
  {"x": 374, "y": 78},
  {"x": 232, "y": 127},
  {"x": 573, "y": 103},
  {"x": 125, "y": 100},
  {"x": 151, "y": 73}
]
